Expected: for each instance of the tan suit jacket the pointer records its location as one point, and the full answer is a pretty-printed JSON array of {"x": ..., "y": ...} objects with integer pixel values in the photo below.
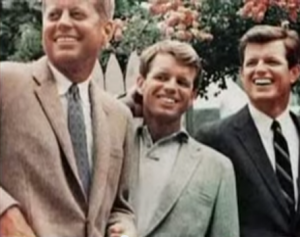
[
  {"x": 37, "y": 165},
  {"x": 199, "y": 199}
]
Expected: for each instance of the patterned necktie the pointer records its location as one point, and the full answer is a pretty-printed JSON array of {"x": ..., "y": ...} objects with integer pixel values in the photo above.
[
  {"x": 78, "y": 135},
  {"x": 283, "y": 166}
]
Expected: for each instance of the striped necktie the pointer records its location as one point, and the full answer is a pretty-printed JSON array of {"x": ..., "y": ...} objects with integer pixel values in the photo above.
[
  {"x": 77, "y": 131},
  {"x": 283, "y": 166}
]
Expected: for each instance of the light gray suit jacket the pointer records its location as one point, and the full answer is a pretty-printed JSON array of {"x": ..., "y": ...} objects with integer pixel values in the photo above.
[
  {"x": 200, "y": 197},
  {"x": 37, "y": 165}
]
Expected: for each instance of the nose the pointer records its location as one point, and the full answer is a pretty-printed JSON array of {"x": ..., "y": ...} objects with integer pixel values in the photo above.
[
  {"x": 170, "y": 85},
  {"x": 65, "y": 21},
  {"x": 260, "y": 67}
]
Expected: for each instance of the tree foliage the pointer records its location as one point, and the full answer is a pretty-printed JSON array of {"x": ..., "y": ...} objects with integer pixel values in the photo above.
[
  {"x": 225, "y": 20},
  {"x": 20, "y": 30}
]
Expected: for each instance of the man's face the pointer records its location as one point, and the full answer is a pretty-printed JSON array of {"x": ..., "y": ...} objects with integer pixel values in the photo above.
[
  {"x": 168, "y": 89},
  {"x": 73, "y": 31},
  {"x": 266, "y": 75}
]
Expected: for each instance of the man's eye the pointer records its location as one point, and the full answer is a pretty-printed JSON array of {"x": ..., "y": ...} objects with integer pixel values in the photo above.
[
  {"x": 53, "y": 15},
  {"x": 273, "y": 62},
  {"x": 250, "y": 63},
  {"x": 161, "y": 77},
  {"x": 184, "y": 83},
  {"x": 78, "y": 15}
]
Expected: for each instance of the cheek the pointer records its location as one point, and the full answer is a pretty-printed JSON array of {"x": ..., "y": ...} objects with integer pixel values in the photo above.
[
  {"x": 45, "y": 39},
  {"x": 245, "y": 80},
  {"x": 146, "y": 96},
  {"x": 48, "y": 32},
  {"x": 147, "y": 87}
]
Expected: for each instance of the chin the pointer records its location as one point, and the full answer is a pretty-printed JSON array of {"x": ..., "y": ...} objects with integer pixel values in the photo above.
[
  {"x": 65, "y": 58},
  {"x": 167, "y": 117},
  {"x": 264, "y": 95},
  {"x": 264, "y": 100}
]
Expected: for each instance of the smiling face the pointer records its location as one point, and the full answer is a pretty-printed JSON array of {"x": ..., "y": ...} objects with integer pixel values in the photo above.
[
  {"x": 167, "y": 89},
  {"x": 73, "y": 32},
  {"x": 266, "y": 76}
]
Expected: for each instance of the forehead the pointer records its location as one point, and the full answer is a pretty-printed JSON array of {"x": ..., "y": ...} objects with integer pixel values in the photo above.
[
  {"x": 166, "y": 60},
  {"x": 273, "y": 48},
  {"x": 167, "y": 63},
  {"x": 66, "y": 3}
]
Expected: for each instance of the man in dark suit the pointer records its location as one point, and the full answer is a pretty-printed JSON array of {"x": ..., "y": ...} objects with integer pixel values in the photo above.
[
  {"x": 262, "y": 139},
  {"x": 64, "y": 143}
]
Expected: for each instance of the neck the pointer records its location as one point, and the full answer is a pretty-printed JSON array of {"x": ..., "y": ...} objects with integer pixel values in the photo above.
[
  {"x": 76, "y": 73},
  {"x": 272, "y": 110},
  {"x": 159, "y": 129}
]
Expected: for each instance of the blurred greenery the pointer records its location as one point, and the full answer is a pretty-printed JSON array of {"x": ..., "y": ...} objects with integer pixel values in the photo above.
[{"x": 20, "y": 30}]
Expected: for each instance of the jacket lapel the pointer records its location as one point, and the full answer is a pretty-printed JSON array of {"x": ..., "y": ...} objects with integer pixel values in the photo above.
[
  {"x": 101, "y": 147},
  {"x": 187, "y": 161},
  {"x": 251, "y": 141},
  {"x": 47, "y": 94},
  {"x": 296, "y": 121}
]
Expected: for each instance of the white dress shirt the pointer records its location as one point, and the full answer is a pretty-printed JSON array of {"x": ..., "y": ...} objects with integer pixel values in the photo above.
[
  {"x": 63, "y": 85},
  {"x": 263, "y": 124}
]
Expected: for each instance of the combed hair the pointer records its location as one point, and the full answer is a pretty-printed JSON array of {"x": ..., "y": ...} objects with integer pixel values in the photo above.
[
  {"x": 265, "y": 34},
  {"x": 105, "y": 8},
  {"x": 182, "y": 52}
]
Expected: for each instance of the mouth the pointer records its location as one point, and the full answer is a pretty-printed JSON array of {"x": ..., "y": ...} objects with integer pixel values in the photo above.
[
  {"x": 263, "y": 81},
  {"x": 65, "y": 39},
  {"x": 167, "y": 99}
]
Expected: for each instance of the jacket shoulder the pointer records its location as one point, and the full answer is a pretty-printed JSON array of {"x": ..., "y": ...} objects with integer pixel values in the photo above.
[
  {"x": 114, "y": 106},
  {"x": 213, "y": 131},
  {"x": 14, "y": 70},
  {"x": 212, "y": 156},
  {"x": 14, "y": 77}
]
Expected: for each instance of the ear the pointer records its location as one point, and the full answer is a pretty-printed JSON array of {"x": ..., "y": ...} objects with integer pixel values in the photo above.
[
  {"x": 108, "y": 30},
  {"x": 295, "y": 73},
  {"x": 140, "y": 82},
  {"x": 241, "y": 75},
  {"x": 194, "y": 95}
]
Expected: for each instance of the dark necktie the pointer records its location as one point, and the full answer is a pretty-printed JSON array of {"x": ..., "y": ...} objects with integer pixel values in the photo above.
[
  {"x": 78, "y": 135},
  {"x": 283, "y": 166}
]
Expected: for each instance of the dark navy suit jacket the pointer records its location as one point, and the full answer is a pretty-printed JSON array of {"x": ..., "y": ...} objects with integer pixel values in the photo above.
[{"x": 263, "y": 211}]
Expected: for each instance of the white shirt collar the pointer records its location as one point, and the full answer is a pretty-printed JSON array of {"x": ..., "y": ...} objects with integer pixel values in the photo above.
[
  {"x": 63, "y": 83},
  {"x": 263, "y": 122}
]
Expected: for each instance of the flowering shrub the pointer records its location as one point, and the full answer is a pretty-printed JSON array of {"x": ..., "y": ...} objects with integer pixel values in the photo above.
[
  {"x": 256, "y": 9},
  {"x": 213, "y": 27}
]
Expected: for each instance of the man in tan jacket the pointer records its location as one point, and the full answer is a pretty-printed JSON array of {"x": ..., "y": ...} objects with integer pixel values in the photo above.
[{"x": 64, "y": 143}]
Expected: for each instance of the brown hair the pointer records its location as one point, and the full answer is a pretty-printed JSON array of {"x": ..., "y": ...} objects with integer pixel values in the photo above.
[
  {"x": 265, "y": 34},
  {"x": 105, "y": 8},
  {"x": 182, "y": 52}
]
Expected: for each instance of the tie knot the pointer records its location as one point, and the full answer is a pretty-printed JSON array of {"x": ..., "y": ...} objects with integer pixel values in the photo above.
[
  {"x": 74, "y": 92},
  {"x": 276, "y": 126}
]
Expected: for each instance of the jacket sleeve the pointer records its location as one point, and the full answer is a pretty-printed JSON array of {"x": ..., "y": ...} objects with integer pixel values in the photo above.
[
  {"x": 6, "y": 201},
  {"x": 122, "y": 212},
  {"x": 225, "y": 217}
]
